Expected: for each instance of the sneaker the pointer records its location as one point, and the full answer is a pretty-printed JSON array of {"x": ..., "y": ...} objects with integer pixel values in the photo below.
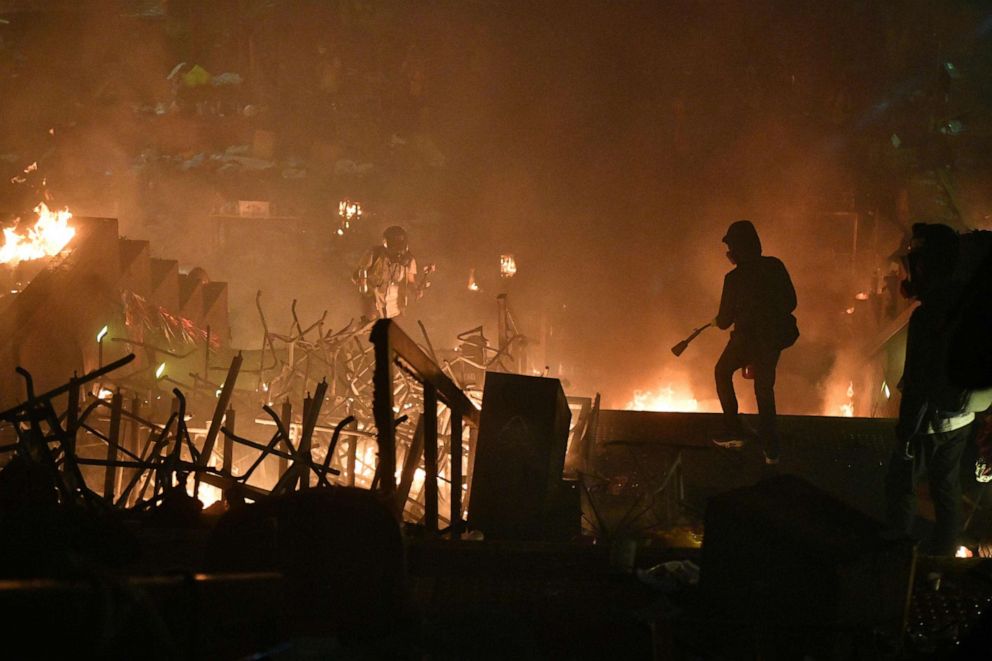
[
  {"x": 770, "y": 459},
  {"x": 730, "y": 443}
]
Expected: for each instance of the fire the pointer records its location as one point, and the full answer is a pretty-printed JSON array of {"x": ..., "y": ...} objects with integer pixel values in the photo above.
[
  {"x": 847, "y": 409},
  {"x": 472, "y": 284},
  {"x": 48, "y": 236},
  {"x": 349, "y": 210},
  {"x": 209, "y": 494},
  {"x": 507, "y": 266},
  {"x": 666, "y": 399}
]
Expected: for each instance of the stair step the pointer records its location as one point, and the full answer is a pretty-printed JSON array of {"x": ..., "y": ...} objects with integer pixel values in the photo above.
[
  {"x": 136, "y": 271},
  {"x": 165, "y": 283}
]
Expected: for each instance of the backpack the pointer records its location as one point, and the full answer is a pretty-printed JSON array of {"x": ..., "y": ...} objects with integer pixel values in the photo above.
[{"x": 968, "y": 329}]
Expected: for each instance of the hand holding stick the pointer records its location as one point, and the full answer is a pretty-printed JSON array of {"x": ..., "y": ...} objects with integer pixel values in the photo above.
[{"x": 681, "y": 346}]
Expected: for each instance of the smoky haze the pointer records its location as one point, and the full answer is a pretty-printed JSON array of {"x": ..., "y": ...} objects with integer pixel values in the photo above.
[{"x": 606, "y": 145}]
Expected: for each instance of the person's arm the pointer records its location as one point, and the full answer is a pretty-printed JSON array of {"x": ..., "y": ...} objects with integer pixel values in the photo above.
[
  {"x": 728, "y": 305},
  {"x": 363, "y": 265},
  {"x": 913, "y": 402},
  {"x": 788, "y": 291}
]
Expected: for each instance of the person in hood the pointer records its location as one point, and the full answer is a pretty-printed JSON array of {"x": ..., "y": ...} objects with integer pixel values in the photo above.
[{"x": 757, "y": 301}]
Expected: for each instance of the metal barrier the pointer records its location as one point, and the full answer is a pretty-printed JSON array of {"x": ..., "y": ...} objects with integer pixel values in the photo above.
[{"x": 394, "y": 348}]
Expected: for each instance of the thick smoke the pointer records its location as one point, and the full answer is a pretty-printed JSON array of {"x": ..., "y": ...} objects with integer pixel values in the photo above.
[{"x": 606, "y": 145}]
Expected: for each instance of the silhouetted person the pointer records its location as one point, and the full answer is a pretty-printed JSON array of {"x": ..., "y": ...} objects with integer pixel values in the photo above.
[
  {"x": 931, "y": 432},
  {"x": 758, "y": 299}
]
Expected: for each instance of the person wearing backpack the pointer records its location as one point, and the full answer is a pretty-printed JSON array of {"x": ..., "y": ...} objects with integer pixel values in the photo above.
[
  {"x": 757, "y": 300},
  {"x": 934, "y": 422}
]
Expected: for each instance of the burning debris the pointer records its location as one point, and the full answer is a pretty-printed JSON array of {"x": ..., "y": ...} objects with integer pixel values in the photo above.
[
  {"x": 507, "y": 266},
  {"x": 666, "y": 398},
  {"x": 47, "y": 236},
  {"x": 348, "y": 212}
]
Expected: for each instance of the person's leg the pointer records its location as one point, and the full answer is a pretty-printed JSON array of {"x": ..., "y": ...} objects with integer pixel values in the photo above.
[
  {"x": 900, "y": 485},
  {"x": 764, "y": 365},
  {"x": 731, "y": 360},
  {"x": 945, "y": 488}
]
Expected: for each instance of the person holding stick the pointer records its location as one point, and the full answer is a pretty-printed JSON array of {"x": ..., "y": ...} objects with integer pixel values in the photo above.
[{"x": 757, "y": 300}]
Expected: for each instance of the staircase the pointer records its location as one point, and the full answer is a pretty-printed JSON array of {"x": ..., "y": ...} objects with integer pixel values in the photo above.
[{"x": 50, "y": 326}]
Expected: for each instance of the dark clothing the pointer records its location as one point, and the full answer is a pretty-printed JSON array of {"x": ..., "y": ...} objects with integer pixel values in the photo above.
[
  {"x": 758, "y": 299},
  {"x": 736, "y": 356},
  {"x": 929, "y": 438},
  {"x": 938, "y": 457},
  {"x": 927, "y": 397}
]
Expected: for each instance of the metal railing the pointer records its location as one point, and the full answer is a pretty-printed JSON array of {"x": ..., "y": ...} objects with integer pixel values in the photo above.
[{"x": 394, "y": 348}]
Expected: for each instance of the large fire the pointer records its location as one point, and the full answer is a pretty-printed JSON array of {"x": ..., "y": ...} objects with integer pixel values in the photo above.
[
  {"x": 665, "y": 399},
  {"x": 48, "y": 236}
]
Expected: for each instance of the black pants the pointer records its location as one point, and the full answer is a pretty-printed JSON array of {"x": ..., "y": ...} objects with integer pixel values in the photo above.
[
  {"x": 938, "y": 457},
  {"x": 737, "y": 354}
]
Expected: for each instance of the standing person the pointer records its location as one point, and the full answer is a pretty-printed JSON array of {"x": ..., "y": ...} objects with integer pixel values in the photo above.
[
  {"x": 386, "y": 275},
  {"x": 932, "y": 430},
  {"x": 758, "y": 299}
]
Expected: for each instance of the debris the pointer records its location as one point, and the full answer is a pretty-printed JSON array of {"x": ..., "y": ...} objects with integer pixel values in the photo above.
[
  {"x": 226, "y": 80},
  {"x": 196, "y": 77}
]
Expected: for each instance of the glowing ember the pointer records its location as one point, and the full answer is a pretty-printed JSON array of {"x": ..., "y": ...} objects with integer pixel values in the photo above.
[
  {"x": 472, "y": 284},
  {"x": 507, "y": 266},
  {"x": 48, "y": 236},
  {"x": 963, "y": 552},
  {"x": 666, "y": 399},
  {"x": 861, "y": 296}
]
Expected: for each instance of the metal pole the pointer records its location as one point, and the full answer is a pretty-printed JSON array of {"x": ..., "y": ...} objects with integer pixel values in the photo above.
[
  {"x": 287, "y": 421},
  {"x": 304, "y": 439},
  {"x": 206, "y": 357},
  {"x": 382, "y": 407},
  {"x": 223, "y": 403},
  {"x": 229, "y": 422},
  {"x": 132, "y": 434},
  {"x": 430, "y": 457},
  {"x": 456, "y": 472},
  {"x": 113, "y": 440}
]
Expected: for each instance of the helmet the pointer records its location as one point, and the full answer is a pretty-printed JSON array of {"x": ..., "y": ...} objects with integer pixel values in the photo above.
[{"x": 394, "y": 238}]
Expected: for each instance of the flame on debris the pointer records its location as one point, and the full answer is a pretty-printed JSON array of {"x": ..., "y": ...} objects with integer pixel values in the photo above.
[
  {"x": 472, "y": 284},
  {"x": 349, "y": 210},
  {"x": 507, "y": 266},
  {"x": 665, "y": 399},
  {"x": 48, "y": 236},
  {"x": 847, "y": 409},
  {"x": 208, "y": 495}
]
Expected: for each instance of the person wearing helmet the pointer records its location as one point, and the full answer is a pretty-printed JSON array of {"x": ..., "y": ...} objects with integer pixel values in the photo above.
[
  {"x": 386, "y": 275},
  {"x": 758, "y": 299}
]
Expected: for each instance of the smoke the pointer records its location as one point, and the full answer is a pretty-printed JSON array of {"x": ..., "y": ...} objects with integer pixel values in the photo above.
[{"x": 607, "y": 146}]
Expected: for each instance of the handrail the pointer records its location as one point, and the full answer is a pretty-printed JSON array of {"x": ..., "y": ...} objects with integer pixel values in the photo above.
[
  {"x": 423, "y": 368},
  {"x": 391, "y": 346}
]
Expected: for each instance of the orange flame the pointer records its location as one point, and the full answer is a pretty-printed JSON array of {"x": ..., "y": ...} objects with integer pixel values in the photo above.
[
  {"x": 507, "y": 266},
  {"x": 48, "y": 236},
  {"x": 666, "y": 399},
  {"x": 847, "y": 410}
]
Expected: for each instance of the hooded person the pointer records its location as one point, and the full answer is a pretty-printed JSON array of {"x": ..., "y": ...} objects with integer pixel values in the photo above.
[{"x": 757, "y": 301}]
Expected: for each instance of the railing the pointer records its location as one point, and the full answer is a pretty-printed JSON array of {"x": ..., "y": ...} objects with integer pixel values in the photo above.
[{"x": 394, "y": 348}]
